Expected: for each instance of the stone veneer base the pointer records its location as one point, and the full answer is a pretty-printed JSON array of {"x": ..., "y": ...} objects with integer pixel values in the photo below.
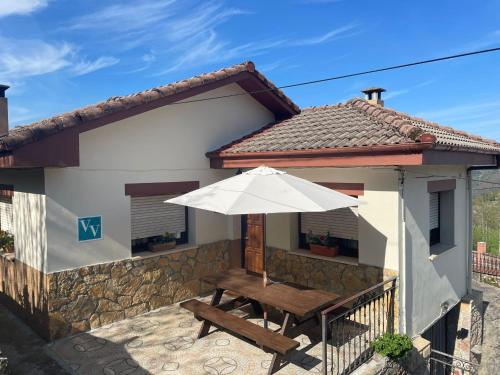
[
  {"x": 341, "y": 278},
  {"x": 89, "y": 297}
]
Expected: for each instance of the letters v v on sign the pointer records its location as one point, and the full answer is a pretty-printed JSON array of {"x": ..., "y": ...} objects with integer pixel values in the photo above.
[{"x": 89, "y": 228}]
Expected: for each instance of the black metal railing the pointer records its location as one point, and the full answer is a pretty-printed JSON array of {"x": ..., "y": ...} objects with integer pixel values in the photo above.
[
  {"x": 486, "y": 264},
  {"x": 349, "y": 327},
  {"x": 444, "y": 364}
]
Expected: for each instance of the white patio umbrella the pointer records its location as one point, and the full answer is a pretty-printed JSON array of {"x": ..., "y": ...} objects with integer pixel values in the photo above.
[{"x": 264, "y": 190}]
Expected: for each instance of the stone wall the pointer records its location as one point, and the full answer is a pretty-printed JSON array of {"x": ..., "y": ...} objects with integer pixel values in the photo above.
[
  {"x": 343, "y": 279},
  {"x": 89, "y": 297},
  {"x": 468, "y": 334},
  {"x": 23, "y": 289}
]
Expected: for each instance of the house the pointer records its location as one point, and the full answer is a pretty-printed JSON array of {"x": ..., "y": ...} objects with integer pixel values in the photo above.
[{"x": 83, "y": 195}]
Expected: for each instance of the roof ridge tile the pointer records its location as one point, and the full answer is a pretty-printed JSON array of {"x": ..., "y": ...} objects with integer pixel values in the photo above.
[{"x": 406, "y": 117}]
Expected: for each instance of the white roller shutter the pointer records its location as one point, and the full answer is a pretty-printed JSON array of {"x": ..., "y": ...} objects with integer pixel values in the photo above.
[
  {"x": 150, "y": 216},
  {"x": 341, "y": 223},
  {"x": 434, "y": 210},
  {"x": 6, "y": 214}
]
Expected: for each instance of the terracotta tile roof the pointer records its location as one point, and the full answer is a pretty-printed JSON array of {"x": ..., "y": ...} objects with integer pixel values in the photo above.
[
  {"x": 355, "y": 123},
  {"x": 23, "y": 135}
]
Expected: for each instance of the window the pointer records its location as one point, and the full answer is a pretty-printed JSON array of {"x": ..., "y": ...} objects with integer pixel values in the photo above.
[
  {"x": 441, "y": 215},
  {"x": 342, "y": 224},
  {"x": 435, "y": 233},
  {"x": 6, "y": 214},
  {"x": 151, "y": 218}
]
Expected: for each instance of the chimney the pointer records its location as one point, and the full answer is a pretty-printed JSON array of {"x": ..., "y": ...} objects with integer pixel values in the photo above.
[
  {"x": 4, "y": 113},
  {"x": 373, "y": 95}
]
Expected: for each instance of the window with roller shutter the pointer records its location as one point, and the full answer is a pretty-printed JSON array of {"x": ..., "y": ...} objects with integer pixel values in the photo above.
[
  {"x": 6, "y": 214},
  {"x": 434, "y": 218},
  {"x": 441, "y": 215},
  {"x": 342, "y": 224},
  {"x": 151, "y": 218}
]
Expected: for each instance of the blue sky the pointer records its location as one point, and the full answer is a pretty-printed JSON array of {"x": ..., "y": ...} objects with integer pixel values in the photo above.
[{"x": 59, "y": 55}]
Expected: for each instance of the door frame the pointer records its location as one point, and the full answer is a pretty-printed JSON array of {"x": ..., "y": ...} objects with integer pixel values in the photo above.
[{"x": 244, "y": 226}]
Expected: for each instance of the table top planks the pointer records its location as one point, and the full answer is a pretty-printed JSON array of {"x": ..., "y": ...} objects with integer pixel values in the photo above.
[{"x": 301, "y": 302}]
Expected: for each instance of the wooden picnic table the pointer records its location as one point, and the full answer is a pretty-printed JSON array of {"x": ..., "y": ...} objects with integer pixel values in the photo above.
[
  {"x": 294, "y": 301},
  {"x": 301, "y": 302}
]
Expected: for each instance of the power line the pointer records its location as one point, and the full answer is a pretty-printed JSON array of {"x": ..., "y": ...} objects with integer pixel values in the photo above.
[
  {"x": 426, "y": 175},
  {"x": 350, "y": 75},
  {"x": 489, "y": 188},
  {"x": 488, "y": 182}
]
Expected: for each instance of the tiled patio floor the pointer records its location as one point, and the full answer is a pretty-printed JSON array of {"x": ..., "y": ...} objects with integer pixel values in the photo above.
[{"x": 164, "y": 342}]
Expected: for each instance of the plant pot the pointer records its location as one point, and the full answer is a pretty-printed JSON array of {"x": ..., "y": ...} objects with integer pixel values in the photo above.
[
  {"x": 7, "y": 249},
  {"x": 162, "y": 246},
  {"x": 324, "y": 250}
]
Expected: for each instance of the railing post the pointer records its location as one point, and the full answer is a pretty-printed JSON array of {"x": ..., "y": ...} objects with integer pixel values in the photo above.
[{"x": 324, "y": 334}]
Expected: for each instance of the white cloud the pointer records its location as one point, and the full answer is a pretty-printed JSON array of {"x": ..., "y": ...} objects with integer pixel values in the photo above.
[
  {"x": 202, "y": 19},
  {"x": 19, "y": 115},
  {"x": 182, "y": 34},
  {"x": 395, "y": 93},
  {"x": 479, "y": 117},
  {"x": 488, "y": 40},
  {"x": 308, "y": 2},
  {"x": 149, "y": 57},
  {"x": 85, "y": 66},
  {"x": 465, "y": 112},
  {"x": 207, "y": 47},
  {"x": 25, "y": 58},
  {"x": 20, "y": 7},
  {"x": 278, "y": 64},
  {"x": 203, "y": 48},
  {"x": 269, "y": 67},
  {"x": 137, "y": 15},
  {"x": 327, "y": 37},
  {"x": 21, "y": 59}
]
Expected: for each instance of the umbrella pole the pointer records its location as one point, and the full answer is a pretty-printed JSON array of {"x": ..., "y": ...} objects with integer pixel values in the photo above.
[{"x": 264, "y": 273}]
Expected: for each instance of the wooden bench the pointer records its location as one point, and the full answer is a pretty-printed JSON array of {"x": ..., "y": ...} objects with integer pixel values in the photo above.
[{"x": 221, "y": 319}]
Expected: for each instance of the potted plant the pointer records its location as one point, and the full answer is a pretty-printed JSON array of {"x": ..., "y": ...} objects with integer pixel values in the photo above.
[
  {"x": 323, "y": 245},
  {"x": 165, "y": 242},
  {"x": 396, "y": 349},
  {"x": 6, "y": 242}
]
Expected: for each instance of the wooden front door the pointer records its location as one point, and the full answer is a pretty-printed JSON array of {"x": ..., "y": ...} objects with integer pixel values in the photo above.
[{"x": 254, "y": 240}]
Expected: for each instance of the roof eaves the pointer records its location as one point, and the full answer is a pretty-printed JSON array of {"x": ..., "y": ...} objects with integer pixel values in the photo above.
[
  {"x": 23, "y": 135},
  {"x": 380, "y": 148}
]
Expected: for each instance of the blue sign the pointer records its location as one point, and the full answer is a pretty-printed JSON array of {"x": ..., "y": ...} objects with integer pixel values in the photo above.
[{"x": 89, "y": 228}]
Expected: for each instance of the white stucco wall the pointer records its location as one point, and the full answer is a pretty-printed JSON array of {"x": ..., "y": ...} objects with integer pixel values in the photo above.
[
  {"x": 429, "y": 283},
  {"x": 378, "y": 213},
  {"x": 30, "y": 236},
  {"x": 167, "y": 144}
]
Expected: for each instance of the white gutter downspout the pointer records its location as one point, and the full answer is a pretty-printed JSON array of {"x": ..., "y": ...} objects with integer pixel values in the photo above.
[
  {"x": 402, "y": 252},
  {"x": 468, "y": 250}
]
